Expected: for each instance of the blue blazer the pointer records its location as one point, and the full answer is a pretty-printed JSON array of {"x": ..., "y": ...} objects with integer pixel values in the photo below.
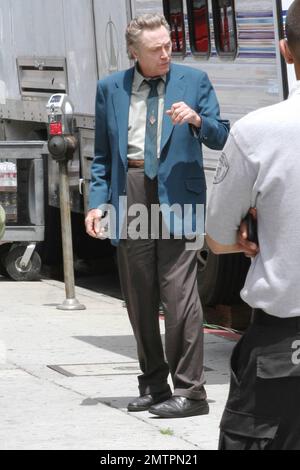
[{"x": 181, "y": 178}]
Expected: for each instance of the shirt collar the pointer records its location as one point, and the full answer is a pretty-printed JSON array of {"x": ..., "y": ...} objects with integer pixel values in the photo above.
[
  {"x": 295, "y": 90},
  {"x": 139, "y": 78}
]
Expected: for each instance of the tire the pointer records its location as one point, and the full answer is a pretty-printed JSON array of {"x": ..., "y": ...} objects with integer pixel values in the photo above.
[
  {"x": 221, "y": 277},
  {"x": 14, "y": 269}
]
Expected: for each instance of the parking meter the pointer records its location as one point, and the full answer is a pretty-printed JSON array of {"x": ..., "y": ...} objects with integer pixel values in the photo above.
[{"x": 62, "y": 143}]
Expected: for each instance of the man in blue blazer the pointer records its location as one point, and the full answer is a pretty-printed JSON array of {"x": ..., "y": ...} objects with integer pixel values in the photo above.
[{"x": 151, "y": 121}]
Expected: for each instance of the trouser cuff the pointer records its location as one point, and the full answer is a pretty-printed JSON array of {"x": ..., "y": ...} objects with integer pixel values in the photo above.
[{"x": 191, "y": 394}]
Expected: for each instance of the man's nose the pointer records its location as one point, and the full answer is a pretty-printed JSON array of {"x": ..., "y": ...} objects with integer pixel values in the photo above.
[{"x": 164, "y": 54}]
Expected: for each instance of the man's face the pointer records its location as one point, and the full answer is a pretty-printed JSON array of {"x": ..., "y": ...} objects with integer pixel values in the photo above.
[{"x": 154, "y": 52}]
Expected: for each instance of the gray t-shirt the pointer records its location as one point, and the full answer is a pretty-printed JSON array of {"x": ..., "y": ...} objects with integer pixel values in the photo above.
[{"x": 260, "y": 166}]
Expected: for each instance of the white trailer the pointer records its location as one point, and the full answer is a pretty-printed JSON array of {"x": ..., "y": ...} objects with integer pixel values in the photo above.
[{"x": 67, "y": 45}]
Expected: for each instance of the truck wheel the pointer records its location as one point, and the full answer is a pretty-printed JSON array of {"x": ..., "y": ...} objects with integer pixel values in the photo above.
[
  {"x": 16, "y": 271},
  {"x": 220, "y": 278}
]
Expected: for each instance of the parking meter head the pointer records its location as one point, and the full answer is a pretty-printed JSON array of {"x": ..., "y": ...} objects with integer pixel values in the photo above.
[
  {"x": 60, "y": 119},
  {"x": 60, "y": 114}
]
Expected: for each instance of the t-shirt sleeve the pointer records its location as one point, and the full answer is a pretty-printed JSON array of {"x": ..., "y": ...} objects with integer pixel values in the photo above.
[{"x": 231, "y": 194}]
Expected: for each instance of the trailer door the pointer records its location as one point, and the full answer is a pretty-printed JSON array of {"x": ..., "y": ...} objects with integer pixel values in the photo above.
[{"x": 111, "y": 19}]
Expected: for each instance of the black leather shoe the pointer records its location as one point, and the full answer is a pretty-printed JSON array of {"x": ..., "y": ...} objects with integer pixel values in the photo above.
[
  {"x": 144, "y": 402},
  {"x": 180, "y": 407}
]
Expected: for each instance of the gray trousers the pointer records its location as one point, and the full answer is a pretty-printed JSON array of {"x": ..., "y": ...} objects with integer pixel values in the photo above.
[{"x": 162, "y": 270}]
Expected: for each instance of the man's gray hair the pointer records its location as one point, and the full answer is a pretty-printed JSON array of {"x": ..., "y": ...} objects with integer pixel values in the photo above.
[{"x": 140, "y": 23}]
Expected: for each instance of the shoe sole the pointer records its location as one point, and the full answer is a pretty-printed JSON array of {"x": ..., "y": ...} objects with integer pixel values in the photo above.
[
  {"x": 204, "y": 411},
  {"x": 132, "y": 409}
]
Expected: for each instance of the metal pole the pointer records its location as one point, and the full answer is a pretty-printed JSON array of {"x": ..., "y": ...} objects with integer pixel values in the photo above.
[{"x": 71, "y": 303}]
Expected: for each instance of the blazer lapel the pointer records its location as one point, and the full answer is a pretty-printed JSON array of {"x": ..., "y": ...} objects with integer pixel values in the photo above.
[
  {"x": 175, "y": 89},
  {"x": 121, "y": 102}
]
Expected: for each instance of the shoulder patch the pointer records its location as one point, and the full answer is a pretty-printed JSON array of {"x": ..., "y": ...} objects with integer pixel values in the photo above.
[{"x": 222, "y": 169}]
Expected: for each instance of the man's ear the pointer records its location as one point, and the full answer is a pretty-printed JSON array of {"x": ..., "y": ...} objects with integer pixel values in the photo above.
[
  {"x": 286, "y": 52},
  {"x": 134, "y": 54}
]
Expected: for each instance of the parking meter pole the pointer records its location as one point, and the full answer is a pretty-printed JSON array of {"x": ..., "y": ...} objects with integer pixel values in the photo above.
[
  {"x": 62, "y": 145},
  {"x": 71, "y": 303}
]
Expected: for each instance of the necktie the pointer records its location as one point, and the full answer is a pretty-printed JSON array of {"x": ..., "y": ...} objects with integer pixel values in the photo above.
[{"x": 151, "y": 161}]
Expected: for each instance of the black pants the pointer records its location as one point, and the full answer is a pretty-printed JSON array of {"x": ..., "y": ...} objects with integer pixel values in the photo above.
[
  {"x": 263, "y": 407},
  {"x": 162, "y": 270}
]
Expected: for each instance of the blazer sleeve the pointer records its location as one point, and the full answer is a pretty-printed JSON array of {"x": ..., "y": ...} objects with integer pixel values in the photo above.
[
  {"x": 214, "y": 130},
  {"x": 101, "y": 166}
]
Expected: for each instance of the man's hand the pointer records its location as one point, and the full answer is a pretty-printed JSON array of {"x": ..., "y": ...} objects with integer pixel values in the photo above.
[
  {"x": 181, "y": 113},
  {"x": 92, "y": 223},
  {"x": 250, "y": 249}
]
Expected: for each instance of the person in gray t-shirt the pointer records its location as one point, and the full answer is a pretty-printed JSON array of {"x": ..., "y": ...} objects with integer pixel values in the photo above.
[{"x": 260, "y": 167}]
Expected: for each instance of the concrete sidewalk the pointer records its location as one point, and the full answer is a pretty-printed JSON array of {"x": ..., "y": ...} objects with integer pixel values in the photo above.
[{"x": 80, "y": 402}]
